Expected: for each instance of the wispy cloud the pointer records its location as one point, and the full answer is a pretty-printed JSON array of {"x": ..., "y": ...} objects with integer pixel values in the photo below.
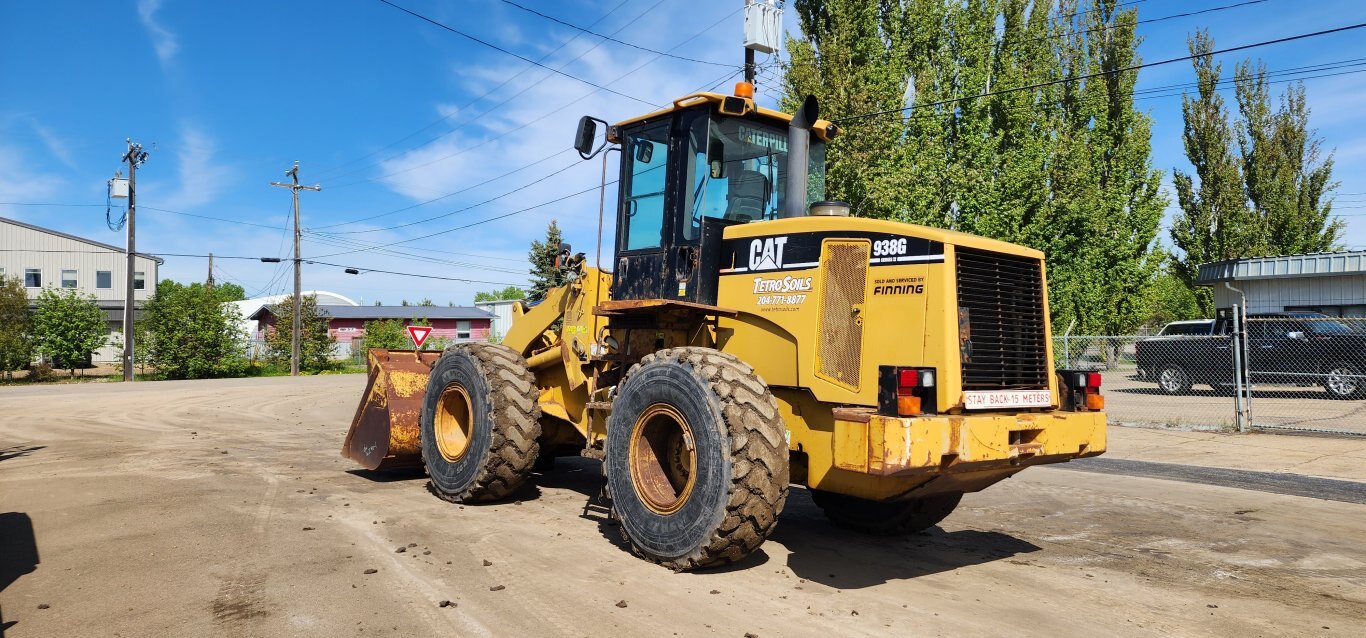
[
  {"x": 200, "y": 177},
  {"x": 162, "y": 38},
  {"x": 57, "y": 146},
  {"x": 19, "y": 183}
]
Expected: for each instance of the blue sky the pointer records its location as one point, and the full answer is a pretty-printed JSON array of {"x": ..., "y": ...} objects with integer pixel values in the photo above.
[{"x": 386, "y": 112}]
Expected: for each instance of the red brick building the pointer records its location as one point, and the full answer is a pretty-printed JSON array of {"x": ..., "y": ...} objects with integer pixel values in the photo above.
[{"x": 348, "y": 322}]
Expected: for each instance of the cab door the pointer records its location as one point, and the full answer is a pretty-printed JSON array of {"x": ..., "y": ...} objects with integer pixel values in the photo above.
[{"x": 642, "y": 220}]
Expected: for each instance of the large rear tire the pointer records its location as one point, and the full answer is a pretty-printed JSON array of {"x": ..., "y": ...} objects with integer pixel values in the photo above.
[
  {"x": 889, "y": 518},
  {"x": 480, "y": 422},
  {"x": 696, "y": 459}
]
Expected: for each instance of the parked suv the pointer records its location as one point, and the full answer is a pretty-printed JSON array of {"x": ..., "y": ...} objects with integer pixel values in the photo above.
[{"x": 1300, "y": 348}]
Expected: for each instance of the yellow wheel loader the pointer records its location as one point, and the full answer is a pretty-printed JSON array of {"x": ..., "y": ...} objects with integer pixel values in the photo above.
[{"x": 749, "y": 336}]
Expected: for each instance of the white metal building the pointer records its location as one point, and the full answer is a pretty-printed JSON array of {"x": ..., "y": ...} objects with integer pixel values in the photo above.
[
  {"x": 502, "y": 316},
  {"x": 43, "y": 257},
  {"x": 1331, "y": 283}
]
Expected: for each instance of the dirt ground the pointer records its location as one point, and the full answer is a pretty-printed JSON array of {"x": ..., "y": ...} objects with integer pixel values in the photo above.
[{"x": 222, "y": 508}]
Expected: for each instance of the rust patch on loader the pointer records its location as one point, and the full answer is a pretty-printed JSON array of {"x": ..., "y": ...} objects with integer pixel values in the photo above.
[{"x": 384, "y": 432}]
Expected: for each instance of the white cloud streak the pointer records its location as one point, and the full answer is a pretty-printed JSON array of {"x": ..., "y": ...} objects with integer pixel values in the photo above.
[{"x": 163, "y": 39}]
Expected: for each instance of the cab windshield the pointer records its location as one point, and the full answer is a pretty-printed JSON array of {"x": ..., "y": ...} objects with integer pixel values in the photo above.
[{"x": 737, "y": 170}]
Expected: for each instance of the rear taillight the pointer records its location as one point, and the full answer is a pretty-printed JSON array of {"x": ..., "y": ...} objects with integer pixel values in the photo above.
[
  {"x": 1080, "y": 390},
  {"x": 906, "y": 391}
]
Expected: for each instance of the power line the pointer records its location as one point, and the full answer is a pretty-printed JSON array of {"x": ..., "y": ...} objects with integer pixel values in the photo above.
[
  {"x": 623, "y": 42},
  {"x": 50, "y": 204},
  {"x": 1174, "y": 16},
  {"x": 527, "y": 123},
  {"x": 485, "y": 94},
  {"x": 1104, "y": 73},
  {"x": 482, "y": 221},
  {"x": 515, "y": 55},
  {"x": 450, "y": 194},
  {"x": 575, "y": 163},
  {"x": 217, "y": 219},
  {"x": 409, "y": 274},
  {"x": 249, "y": 258}
]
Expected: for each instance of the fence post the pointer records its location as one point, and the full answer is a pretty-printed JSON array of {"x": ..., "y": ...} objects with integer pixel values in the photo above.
[{"x": 1239, "y": 378}]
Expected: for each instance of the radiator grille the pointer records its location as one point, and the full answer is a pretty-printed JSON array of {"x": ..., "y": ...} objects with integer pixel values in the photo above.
[
  {"x": 844, "y": 280},
  {"x": 1000, "y": 299}
]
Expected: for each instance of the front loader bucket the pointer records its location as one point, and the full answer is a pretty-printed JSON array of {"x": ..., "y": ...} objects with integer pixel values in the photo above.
[{"x": 384, "y": 432}]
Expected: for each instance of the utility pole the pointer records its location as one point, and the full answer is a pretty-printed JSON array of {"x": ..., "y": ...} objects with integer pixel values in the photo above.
[
  {"x": 210, "y": 282},
  {"x": 297, "y": 328},
  {"x": 135, "y": 157}
]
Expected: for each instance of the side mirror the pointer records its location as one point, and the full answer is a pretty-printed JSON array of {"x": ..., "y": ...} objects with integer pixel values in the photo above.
[
  {"x": 1295, "y": 335},
  {"x": 583, "y": 139},
  {"x": 716, "y": 159},
  {"x": 645, "y": 150}
]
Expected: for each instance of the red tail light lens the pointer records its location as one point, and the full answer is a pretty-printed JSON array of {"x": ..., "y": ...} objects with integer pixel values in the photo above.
[{"x": 1093, "y": 380}]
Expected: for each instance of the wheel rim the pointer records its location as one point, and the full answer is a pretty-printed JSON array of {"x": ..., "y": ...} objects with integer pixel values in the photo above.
[
  {"x": 453, "y": 423},
  {"x": 1173, "y": 379},
  {"x": 663, "y": 459},
  {"x": 1341, "y": 381}
]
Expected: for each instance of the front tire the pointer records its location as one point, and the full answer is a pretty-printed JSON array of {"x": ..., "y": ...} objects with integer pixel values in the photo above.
[
  {"x": 480, "y": 422},
  {"x": 697, "y": 460},
  {"x": 1173, "y": 379},
  {"x": 1344, "y": 381},
  {"x": 890, "y": 518}
]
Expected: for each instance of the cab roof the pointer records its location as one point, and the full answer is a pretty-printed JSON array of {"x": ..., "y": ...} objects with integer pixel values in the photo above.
[{"x": 824, "y": 129}]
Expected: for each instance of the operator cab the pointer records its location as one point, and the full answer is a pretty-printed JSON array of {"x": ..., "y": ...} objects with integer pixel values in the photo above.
[{"x": 689, "y": 171}]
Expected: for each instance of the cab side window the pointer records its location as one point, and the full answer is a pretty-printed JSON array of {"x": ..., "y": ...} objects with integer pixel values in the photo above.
[{"x": 647, "y": 158}]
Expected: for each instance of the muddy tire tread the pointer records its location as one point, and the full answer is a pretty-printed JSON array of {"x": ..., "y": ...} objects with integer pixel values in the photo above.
[
  {"x": 516, "y": 428},
  {"x": 758, "y": 450}
]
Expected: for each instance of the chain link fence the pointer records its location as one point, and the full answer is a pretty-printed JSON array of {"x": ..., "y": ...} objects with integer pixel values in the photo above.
[
  {"x": 1282, "y": 372},
  {"x": 1307, "y": 373}
]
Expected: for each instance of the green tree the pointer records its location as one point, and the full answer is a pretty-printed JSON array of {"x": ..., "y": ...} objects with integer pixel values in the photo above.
[
  {"x": 1260, "y": 185},
  {"x": 67, "y": 326},
  {"x": 226, "y": 292},
  {"x": 1170, "y": 299},
  {"x": 1214, "y": 223},
  {"x": 1286, "y": 178},
  {"x": 511, "y": 293},
  {"x": 16, "y": 348},
  {"x": 1064, "y": 167},
  {"x": 316, "y": 341},
  {"x": 191, "y": 333},
  {"x": 544, "y": 274},
  {"x": 387, "y": 334}
]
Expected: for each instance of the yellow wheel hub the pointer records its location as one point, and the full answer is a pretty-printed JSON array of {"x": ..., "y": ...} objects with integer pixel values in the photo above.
[
  {"x": 454, "y": 423},
  {"x": 663, "y": 459}
]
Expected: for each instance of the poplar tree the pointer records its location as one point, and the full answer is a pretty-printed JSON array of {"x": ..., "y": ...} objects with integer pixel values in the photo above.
[
  {"x": 1260, "y": 185},
  {"x": 1063, "y": 167}
]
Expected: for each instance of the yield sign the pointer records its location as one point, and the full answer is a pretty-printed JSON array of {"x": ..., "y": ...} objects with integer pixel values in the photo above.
[{"x": 419, "y": 335}]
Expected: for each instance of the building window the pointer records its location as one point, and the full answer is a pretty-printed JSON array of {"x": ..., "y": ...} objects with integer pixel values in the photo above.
[
  {"x": 139, "y": 280},
  {"x": 68, "y": 279},
  {"x": 33, "y": 278},
  {"x": 104, "y": 279},
  {"x": 462, "y": 330}
]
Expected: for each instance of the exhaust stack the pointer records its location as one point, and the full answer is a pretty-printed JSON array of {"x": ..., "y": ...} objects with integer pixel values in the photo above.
[{"x": 798, "y": 151}]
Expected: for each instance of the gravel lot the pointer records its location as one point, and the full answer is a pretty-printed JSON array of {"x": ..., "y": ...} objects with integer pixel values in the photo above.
[{"x": 223, "y": 508}]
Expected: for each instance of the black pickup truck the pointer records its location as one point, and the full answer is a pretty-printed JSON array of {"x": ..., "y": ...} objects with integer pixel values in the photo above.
[{"x": 1294, "y": 348}]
